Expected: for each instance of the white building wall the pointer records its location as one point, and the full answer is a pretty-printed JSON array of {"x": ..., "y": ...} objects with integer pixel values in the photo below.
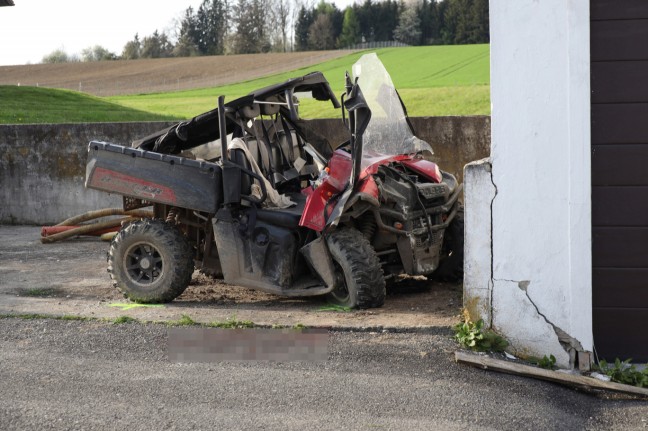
[{"x": 540, "y": 278}]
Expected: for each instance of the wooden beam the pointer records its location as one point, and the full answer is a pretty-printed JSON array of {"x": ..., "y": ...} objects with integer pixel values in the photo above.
[{"x": 588, "y": 383}]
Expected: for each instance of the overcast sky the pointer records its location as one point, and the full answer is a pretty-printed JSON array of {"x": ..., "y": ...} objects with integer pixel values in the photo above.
[{"x": 34, "y": 28}]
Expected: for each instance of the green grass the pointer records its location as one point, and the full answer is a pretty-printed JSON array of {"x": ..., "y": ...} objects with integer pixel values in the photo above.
[
  {"x": 124, "y": 319},
  {"x": 39, "y": 292},
  {"x": 232, "y": 323},
  {"x": 432, "y": 80},
  {"x": 24, "y": 105}
]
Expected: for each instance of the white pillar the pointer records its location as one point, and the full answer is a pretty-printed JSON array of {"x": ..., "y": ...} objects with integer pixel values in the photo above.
[{"x": 541, "y": 210}]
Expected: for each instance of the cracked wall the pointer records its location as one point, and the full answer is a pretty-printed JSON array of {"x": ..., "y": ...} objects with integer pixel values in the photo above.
[
  {"x": 513, "y": 308},
  {"x": 528, "y": 236}
]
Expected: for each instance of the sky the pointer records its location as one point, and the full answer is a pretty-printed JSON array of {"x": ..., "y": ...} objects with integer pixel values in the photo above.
[{"x": 33, "y": 29}]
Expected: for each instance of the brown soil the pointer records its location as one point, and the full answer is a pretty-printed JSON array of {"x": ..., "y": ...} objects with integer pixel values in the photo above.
[
  {"x": 109, "y": 78},
  {"x": 407, "y": 294}
]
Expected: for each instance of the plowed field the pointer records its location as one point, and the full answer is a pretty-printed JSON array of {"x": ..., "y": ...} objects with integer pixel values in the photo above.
[{"x": 110, "y": 78}]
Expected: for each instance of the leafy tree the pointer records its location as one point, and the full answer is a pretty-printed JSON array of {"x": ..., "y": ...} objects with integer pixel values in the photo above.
[
  {"x": 132, "y": 49},
  {"x": 336, "y": 17},
  {"x": 465, "y": 21},
  {"x": 320, "y": 33},
  {"x": 305, "y": 19},
  {"x": 479, "y": 31},
  {"x": 156, "y": 46},
  {"x": 59, "y": 56},
  {"x": 279, "y": 11},
  {"x": 430, "y": 22},
  {"x": 367, "y": 20},
  {"x": 386, "y": 15},
  {"x": 188, "y": 35},
  {"x": 350, "y": 29},
  {"x": 210, "y": 27},
  {"x": 251, "y": 34},
  {"x": 97, "y": 53},
  {"x": 409, "y": 27}
]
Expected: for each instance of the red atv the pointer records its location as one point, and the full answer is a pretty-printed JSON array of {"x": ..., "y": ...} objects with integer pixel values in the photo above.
[{"x": 248, "y": 192}]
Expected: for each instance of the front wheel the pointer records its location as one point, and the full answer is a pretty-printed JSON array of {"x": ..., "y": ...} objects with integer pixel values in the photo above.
[
  {"x": 150, "y": 261},
  {"x": 361, "y": 283}
]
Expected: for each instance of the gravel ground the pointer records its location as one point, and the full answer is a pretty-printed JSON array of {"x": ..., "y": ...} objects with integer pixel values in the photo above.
[
  {"x": 58, "y": 374},
  {"x": 70, "y": 278}
]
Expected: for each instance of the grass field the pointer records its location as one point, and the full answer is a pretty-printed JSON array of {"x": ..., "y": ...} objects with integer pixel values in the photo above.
[
  {"x": 432, "y": 80},
  {"x": 22, "y": 105}
]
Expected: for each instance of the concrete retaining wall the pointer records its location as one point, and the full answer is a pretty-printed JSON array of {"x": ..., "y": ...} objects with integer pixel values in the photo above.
[{"x": 42, "y": 166}]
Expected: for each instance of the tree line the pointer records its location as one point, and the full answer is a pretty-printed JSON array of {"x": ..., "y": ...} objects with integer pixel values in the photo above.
[{"x": 220, "y": 27}]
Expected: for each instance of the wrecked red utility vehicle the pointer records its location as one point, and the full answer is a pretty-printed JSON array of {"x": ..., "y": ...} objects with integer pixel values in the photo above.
[{"x": 250, "y": 193}]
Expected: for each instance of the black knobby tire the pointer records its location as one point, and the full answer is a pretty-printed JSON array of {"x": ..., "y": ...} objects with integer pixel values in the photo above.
[
  {"x": 361, "y": 283},
  {"x": 451, "y": 266},
  {"x": 150, "y": 261}
]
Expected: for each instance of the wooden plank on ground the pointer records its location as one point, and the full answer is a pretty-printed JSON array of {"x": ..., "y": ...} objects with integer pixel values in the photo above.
[{"x": 589, "y": 383}]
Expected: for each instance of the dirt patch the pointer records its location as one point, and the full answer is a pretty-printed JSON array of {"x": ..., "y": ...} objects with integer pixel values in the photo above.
[
  {"x": 411, "y": 294},
  {"x": 70, "y": 278},
  {"x": 110, "y": 78}
]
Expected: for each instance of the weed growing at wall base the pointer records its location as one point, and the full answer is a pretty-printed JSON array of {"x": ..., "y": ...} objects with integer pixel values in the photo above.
[
  {"x": 546, "y": 362},
  {"x": 624, "y": 372},
  {"x": 474, "y": 337}
]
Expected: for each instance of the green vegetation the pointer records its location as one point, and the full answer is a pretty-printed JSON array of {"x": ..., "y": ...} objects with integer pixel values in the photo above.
[
  {"x": 24, "y": 105},
  {"x": 39, "y": 292},
  {"x": 548, "y": 363},
  {"x": 184, "y": 320},
  {"x": 432, "y": 80},
  {"x": 124, "y": 319},
  {"x": 232, "y": 323},
  {"x": 474, "y": 337},
  {"x": 336, "y": 308},
  {"x": 625, "y": 372},
  {"x": 73, "y": 317},
  {"x": 27, "y": 316}
]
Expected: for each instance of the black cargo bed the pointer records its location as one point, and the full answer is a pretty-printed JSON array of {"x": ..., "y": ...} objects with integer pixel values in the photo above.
[{"x": 154, "y": 177}]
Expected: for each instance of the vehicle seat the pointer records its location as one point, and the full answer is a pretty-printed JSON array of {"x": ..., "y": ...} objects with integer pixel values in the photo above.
[{"x": 285, "y": 217}]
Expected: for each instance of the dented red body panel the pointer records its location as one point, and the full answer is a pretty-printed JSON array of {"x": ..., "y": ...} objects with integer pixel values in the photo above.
[
  {"x": 423, "y": 167},
  {"x": 317, "y": 207},
  {"x": 320, "y": 202}
]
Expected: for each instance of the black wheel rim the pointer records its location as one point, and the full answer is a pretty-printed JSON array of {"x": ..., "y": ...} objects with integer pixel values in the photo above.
[{"x": 143, "y": 263}]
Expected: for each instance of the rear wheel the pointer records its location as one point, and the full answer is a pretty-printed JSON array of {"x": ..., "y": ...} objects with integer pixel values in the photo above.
[
  {"x": 361, "y": 283},
  {"x": 150, "y": 261}
]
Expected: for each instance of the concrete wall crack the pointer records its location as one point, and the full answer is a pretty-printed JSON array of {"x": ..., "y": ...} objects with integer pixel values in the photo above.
[
  {"x": 492, "y": 257},
  {"x": 569, "y": 343}
]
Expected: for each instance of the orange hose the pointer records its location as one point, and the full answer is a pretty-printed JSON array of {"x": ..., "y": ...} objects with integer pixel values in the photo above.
[
  {"x": 90, "y": 215},
  {"x": 85, "y": 229},
  {"x": 52, "y": 230}
]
